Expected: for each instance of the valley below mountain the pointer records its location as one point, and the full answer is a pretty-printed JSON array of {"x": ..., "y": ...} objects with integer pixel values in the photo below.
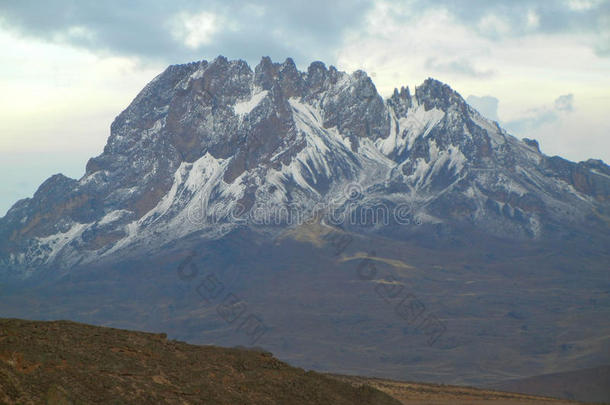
[{"x": 65, "y": 362}]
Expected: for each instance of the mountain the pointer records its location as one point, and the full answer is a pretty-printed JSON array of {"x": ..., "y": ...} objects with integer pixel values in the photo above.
[
  {"x": 206, "y": 140},
  {"x": 408, "y": 236}
]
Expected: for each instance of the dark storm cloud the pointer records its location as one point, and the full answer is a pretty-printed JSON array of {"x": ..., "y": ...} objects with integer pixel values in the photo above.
[{"x": 303, "y": 30}]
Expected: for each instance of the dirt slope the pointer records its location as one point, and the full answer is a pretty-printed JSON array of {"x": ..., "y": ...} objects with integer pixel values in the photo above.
[{"x": 69, "y": 363}]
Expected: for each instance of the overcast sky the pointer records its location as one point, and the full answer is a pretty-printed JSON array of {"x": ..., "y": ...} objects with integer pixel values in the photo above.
[{"x": 67, "y": 68}]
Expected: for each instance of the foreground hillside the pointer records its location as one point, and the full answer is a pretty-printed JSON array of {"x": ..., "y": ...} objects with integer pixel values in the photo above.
[{"x": 66, "y": 362}]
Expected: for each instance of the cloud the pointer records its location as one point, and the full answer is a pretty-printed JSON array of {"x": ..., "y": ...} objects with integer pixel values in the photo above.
[
  {"x": 533, "y": 119},
  {"x": 583, "y": 5},
  {"x": 565, "y": 103},
  {"x": 195, "y": 30},
  {"x": 516, "y": 17},
  {"x": 537, "y": 117},
  {"x": 559, "y": 127},
  {"x": 533, "y": 19},
  {"x": 500, "y": 19},
  {"x": 486, "y": 105},
  {"x": 494, "y": 26},
  {"x": 186, "y": 30},
  {"x": 398, "y": 46},
  {"x": 460, "y": 66},
  {"x": 602, "y": 45}
]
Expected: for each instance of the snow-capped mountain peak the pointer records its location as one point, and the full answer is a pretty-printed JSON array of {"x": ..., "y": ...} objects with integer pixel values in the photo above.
[{"x": 206, "y": 140}]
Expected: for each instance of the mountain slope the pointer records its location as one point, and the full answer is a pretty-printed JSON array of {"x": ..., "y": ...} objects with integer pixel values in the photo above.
[{"x": 65, "y": 362}]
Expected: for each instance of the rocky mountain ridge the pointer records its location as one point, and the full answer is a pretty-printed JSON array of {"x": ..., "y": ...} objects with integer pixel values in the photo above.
[{"x": 206, "y": 144}]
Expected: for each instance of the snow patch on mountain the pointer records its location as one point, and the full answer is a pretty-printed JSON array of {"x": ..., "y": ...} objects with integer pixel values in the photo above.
[
  {"x": 404, "y": 131},
  {"x": 326, "y": 145},
  {"x": 113, "y": 216},
  {"x": 496, "y": 136},
  {"x": 246, "y": 106},
  {"x": 53, "y": 244}
]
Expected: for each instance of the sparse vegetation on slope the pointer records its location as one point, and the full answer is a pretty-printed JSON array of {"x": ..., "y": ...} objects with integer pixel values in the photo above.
[{"x": 70, "y": 363}]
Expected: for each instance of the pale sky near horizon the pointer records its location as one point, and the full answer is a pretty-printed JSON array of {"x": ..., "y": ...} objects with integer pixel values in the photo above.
[{"x": 539, "y": 67}]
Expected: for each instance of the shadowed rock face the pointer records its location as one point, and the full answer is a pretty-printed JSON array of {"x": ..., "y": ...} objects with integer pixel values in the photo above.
[{"x": 217, "y": 134}]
